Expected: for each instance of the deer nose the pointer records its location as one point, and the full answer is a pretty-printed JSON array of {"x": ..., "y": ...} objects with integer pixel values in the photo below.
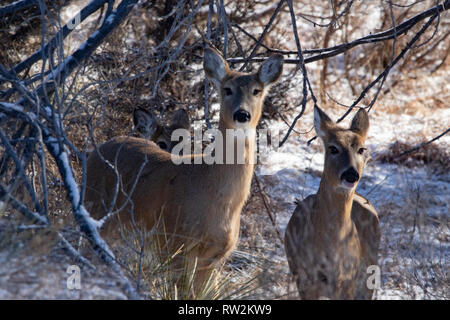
[
  {"x": 350, "y": 175},
  {"x": 241, "y": 116}
]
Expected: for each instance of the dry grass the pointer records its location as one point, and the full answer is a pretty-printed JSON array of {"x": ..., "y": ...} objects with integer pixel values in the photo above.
[
  {"x": 159, "y": 275},
  {"x": 434, "y": 156},
  {"x": 414, "y": 254}
]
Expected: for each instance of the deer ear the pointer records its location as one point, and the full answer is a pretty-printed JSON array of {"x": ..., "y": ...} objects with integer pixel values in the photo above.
[
  {"x": 360, "y": 122},
  {"x": 180, "y": 119},
  {"x": 321, "y": 122},
  {"x": 271, "y": 70},
  {"x": 144, "y": 122},
  {"x": 215, "y": 66}
]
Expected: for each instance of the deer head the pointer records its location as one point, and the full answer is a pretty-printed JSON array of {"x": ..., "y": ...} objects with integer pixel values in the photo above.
[
  {"x": 241, "y": 94},
  {"x": 150, "y": 128},
  {"x": 345, "y": 153}
]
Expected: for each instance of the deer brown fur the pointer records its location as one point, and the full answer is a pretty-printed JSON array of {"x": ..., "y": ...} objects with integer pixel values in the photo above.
[
  {"x": 197, "y": 205},
  {"x": 333, "y": 236}
]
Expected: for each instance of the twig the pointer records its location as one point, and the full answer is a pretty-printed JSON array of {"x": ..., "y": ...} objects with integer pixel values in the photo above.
[
  {"x": 74, "y": 253},
  {"x": 391, "y": 13},
  {"x": 20, "y": 170},
  {"x": 87, "y": 225},
  {"x": 335, "y": 17},
  {"x": 263, "y": 34},
  {"x": 385, "y": 72},
  {"x": 223, "y": 15},
  {"x": 420, "y": 146},
  {"x": 47, "y": 50},
  {"x": 373, "y": 38},
  {"x": 267, "y": 206},
  {"x": 85, "y": 50},
  {"x": 17, "y": 6},
  {"x": 389, "y": 67},
  {"x": 306, "y": 83},
  {"x": 206, "y": 80}
]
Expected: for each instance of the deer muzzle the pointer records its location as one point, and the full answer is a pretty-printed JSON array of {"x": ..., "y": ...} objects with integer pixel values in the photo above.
[
  {"x": 241, "y": 116},
  {"x": 349, "y": 177}
]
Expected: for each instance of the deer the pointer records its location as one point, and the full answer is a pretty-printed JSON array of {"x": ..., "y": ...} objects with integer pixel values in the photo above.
[
  {"x": 194, "y": 206},
  {"x": 333, "y": 236},
  {"x": 148, "y": 127}
]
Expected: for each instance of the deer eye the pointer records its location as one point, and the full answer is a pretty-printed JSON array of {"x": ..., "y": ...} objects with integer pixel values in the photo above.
[
  {"x": 333, "y": 150},
  {"x": 162, "y": 145},
  {"x": 228, "y": 91},
  {"x": 256, "y": 92},
  {"x": 362, "y": 150}
]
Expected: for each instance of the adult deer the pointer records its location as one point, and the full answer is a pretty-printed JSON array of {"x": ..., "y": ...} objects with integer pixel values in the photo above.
[
  {"x": 196, "y": 206},
  {"x": 150, "y": 128},
  {"x": 333, "y": 236}
]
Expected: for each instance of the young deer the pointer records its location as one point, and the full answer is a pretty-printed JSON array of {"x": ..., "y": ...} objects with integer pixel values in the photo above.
[
  {"x": 333, "y": 236},
  {"x": 150, "y": 128},
  {"x": 196, "y": 206}
]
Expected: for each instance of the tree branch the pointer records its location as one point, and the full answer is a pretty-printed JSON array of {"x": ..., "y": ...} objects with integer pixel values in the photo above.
[
  {"x": 420, "y": 146},
  {"x": 16, "y": 6},
  {"x": 325, "y": 53},
  {"x": 48, "y": 49}
]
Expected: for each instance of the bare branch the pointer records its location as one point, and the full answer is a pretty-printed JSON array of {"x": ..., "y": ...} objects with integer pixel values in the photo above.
[
  {"x": 16, "y": 7},
  {"x": 306, "y": 83},
  {"x": 420, "y": 146},
  {"x": 336, "y": 50},
  {"x": 48, "y": 49},
  {"x": 263, "y": 34},
  {"x": 85, "y": 50}
]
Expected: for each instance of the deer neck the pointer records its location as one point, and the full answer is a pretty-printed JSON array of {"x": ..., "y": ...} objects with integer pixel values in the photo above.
[
  {"x": 230, "y": 180},
  {"x": 243, "y": 151},
  {"x": 334, "y": 207}
]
